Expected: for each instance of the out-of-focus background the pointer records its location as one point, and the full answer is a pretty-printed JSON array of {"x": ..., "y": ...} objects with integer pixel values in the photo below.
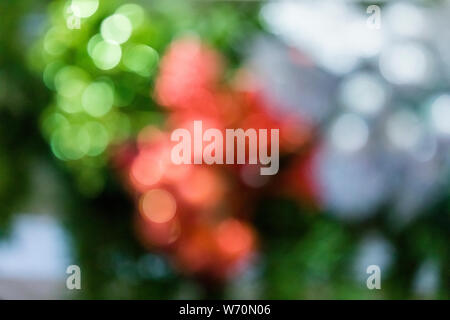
[{"x": 91, "y": 89}]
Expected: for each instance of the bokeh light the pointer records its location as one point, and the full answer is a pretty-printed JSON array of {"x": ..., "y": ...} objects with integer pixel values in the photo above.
[
  {"x": 363, "y": 93},
  {"x": 99, "y": 137},
  {"x": 116, "y": 29},
  {"x": 70, "y": 81},
  {"x": 146, "y": 170},
  {"x": 106, "y": 55},
  {"x": 140, "y": 59},
  {"x": 134, "y": 12},
  {"x": 404, "y": 130},
  {"x": 406, "y": 64},
  {"x": 84, "y": 8},
  {"x": 440, "y": 114},
  {"x": 349, "y": 133},
  {"x": 158, "y": 206},
  {"x": 70, "y": 143},
  {"x": 98, "y": 98}
]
